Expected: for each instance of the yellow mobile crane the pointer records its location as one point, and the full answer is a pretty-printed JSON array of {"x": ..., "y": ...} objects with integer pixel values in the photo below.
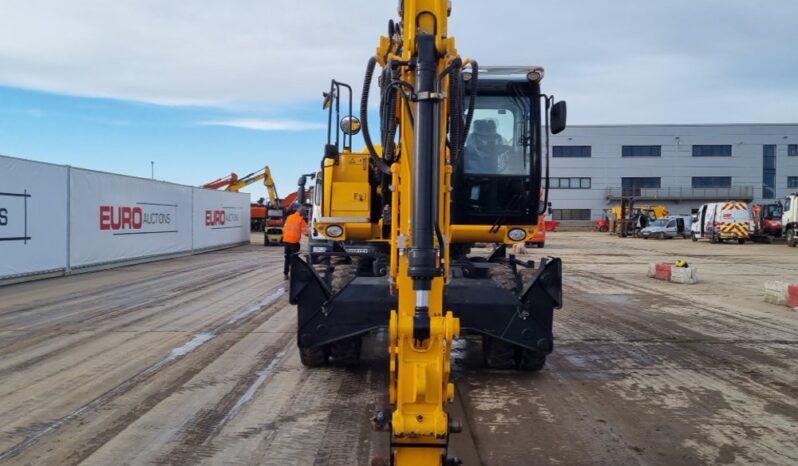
[{"x": 466, "y": 168}]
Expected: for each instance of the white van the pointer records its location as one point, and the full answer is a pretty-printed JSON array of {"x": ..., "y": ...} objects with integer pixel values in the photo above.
[{"x": 721, "y": 221}]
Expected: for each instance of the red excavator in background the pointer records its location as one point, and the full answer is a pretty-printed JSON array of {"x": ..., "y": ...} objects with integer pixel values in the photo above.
[
  {"x": 767, "y": 222},
  {"x": 265, "y": 216},
  {"x": 223, "y": 182}
]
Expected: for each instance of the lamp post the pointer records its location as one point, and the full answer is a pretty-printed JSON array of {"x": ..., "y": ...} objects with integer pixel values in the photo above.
[{"x": 152, "y": 169}]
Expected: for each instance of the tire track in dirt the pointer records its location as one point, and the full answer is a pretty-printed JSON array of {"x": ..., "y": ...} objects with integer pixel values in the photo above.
[
  {"x": 154, "y": 307},
  {"x": 177, "y": 355}
]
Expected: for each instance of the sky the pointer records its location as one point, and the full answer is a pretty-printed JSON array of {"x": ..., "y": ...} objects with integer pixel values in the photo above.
[{"x": 204, "y": 88}]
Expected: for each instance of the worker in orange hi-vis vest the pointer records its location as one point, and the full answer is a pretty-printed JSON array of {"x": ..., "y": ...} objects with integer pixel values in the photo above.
[{"x": 295, "y": 226}]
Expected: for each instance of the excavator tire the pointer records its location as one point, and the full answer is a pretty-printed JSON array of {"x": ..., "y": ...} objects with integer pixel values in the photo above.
[
  {"x": 321, "y": 269},
  {"x": 498, "y": 354},
  {"x": 504, "y": 277},
  {"x": 529, "y": 360},
  {"x": 343, "y": 273},
  {"x": 313, "y": 357},
  {"x": 346, "y": 352}
]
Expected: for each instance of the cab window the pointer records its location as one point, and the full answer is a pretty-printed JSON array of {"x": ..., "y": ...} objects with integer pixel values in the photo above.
[{"x": 492, "y": 147}]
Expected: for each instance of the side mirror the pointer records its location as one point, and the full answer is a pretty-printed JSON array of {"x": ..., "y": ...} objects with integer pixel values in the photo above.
[
  {"x": 549, "y": 208},
  {"x": 558, "y": 116},
  {"x": 350, "y": 125}
]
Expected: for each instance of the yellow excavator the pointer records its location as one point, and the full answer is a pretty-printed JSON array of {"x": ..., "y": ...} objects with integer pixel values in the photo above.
[
  {"x": 459, "y": 161},
  {"x": 269, "y": 218}
]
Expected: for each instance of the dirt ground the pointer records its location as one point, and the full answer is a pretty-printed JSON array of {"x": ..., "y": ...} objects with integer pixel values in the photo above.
[{"x": 193, "y": 361}]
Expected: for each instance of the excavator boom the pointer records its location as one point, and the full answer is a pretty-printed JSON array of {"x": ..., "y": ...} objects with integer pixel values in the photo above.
[
  {"x": 223, "y": 182},
  {"x": 403, "y": 214}
]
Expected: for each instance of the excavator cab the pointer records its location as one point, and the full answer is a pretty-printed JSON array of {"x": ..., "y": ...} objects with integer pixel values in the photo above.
[{"x": 497, "y": 179}]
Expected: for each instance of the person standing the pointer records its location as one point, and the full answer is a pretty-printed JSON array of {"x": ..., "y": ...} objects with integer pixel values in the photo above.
[{"x": 295, "y": 226}]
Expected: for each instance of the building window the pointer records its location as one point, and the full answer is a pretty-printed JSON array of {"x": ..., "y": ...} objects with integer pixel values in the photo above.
[
  {"x": 571, "y": 151},
  {"x": 641, "y": 151},
  {"x": 570, "y": 214},
  {"x": 712, "y": 151},
  {"x": 792, "y": 181},
  {"x": 712, "y": 181},
  {"x": 632, "y": 186},
  {"x": 769, "y": 171},
  {"x": 569, "y": 183},
  {"x": 792, "y": 150}
]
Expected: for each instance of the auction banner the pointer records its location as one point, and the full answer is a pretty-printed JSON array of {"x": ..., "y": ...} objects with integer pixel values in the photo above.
[
  {"x": 33, "y": 217},
  {"x": 116, "y": 217},
  {"x": 220, "y": 218}
]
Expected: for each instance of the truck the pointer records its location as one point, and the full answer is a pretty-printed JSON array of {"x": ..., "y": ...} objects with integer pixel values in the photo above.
[
  {"x": 789, "y": 219},
  {"x": 722, "y": 221},
  {"x": 674, "y": 226}
]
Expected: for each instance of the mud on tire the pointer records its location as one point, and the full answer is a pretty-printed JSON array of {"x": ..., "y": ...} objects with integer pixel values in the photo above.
[
  {"x": 346, "y": 352},
  {"x": 505, "y": 278},
  {"x": 344, "y": 271},
  {"x": 313, "y": 357}
]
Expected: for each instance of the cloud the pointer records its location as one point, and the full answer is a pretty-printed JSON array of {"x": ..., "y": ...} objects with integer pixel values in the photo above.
[
  {"x": 266, "y": 124},
  {"x": 710, "y": 61}
]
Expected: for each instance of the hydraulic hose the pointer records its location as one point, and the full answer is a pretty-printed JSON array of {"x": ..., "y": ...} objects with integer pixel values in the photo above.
[
  {"x": 471, "y": 98},
  {"x": 364, "y": 110}
]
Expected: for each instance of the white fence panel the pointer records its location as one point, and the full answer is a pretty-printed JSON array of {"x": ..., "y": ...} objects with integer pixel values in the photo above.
[
  {"x": 220, "y": 218},
  {"x": 33, "y": 217},
  {"x": 115, "y": 217}
]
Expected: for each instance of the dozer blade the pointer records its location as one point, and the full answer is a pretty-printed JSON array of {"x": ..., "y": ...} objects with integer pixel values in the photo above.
[
  {"x": 481, "y": 305},
  {"x": 323, "y": 317}
]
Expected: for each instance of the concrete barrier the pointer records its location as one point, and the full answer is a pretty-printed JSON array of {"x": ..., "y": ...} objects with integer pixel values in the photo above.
[
  {"x": 671, "y": 273},
  {"x": 776, "y": 292}
]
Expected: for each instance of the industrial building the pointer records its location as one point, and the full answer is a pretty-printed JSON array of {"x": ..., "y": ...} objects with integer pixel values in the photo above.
[{"x": 680, "y": 166}]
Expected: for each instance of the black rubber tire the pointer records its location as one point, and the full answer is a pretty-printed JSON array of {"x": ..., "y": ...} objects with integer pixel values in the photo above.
[
  {"x": 529, "y": 360},
  {"x": 346, "y": 352},
  {"x": 343, "y": 273},
  {"x": 604, "y": 229},
  {"x": 541, "y": 244},
  {"x": 504, "y": 277},
  {"x": 792, "y": 241},
  {"x": 741, "y": 241},
  {"x": 498, "y": 354},
  {"x": 313, "y": 357},
  {"x": 693, "y": 237}
]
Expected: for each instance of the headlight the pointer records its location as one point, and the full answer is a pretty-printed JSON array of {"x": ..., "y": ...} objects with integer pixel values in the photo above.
[
  {"x": 517, "y": 234},
  {"x": 334, "y": 231}
]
